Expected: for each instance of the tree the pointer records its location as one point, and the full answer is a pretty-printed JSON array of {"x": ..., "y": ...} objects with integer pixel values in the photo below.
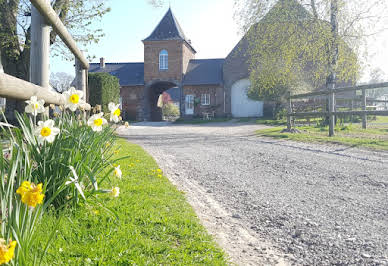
[
  {"x": 15, "y": 37},
  {"x": 300, "y": 45},
  {"x": 61, "y": 81},
  {"x": 377, "y": 75}
]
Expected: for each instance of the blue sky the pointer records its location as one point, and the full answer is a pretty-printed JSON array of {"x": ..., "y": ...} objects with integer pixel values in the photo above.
[{"x": 209, "y": 25}]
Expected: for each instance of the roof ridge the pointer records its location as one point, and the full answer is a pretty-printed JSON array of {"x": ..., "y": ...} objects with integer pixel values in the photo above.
[{"x": 117, "y": 63}]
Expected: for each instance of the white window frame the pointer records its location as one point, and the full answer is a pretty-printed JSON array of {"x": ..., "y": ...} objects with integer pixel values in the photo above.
[
  {"x": 163, "y": 60},
  {"x": 205, "y": 99}
]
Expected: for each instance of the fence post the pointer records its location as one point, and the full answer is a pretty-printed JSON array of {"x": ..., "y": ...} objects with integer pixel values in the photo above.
[
  {"x": 289, "y": 109},
  {"x": 331, "y": 115},
  {"x": 40, "y": 49},
  {"x": 80, "y": 78},
  {"x": 364, "y": 108}
]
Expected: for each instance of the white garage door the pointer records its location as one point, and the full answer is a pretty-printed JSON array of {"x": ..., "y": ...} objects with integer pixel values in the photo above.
[{"x": 242, "y": 106}]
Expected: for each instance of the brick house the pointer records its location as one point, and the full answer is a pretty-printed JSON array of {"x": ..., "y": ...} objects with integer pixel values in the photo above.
[{"x": 216, "y": 86}]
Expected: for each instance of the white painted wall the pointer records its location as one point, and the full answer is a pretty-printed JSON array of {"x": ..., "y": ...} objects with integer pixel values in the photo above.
[{"x": 242, "y": 106}]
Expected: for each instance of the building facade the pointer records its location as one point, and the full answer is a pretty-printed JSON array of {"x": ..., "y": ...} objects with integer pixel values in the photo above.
[{"x": 213, "y": 86}]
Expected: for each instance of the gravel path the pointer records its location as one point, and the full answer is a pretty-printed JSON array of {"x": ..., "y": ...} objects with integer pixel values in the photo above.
[{"x": 275, "y": 202}]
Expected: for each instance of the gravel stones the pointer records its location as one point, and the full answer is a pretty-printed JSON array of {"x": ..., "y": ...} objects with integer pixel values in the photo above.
[{"x": 315, "y": 204}]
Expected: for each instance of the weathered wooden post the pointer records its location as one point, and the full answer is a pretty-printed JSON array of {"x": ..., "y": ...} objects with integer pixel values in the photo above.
[
  {"x": 40, "y": 49},
  {"x": 80, "y": 78},
  {"x": 331, "y": 113},
  {"x": 289, "y": 109},
  {"x": 364, "y": 108},
  {"x": 1, "y": 65}
]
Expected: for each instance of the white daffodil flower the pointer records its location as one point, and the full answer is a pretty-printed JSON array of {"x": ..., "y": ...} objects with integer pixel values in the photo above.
[
  {"x": 75, "y": 182},
  {"x": 97, "y": 121},
  {"x": 114, "y": 112},
  {"x": 115, "y": 192},
  {"x": 46, "y": 131},
  {"x": 34, "y": 106},
  {"x": 118, "y": 172},
  {"x": 73, "y": 98}
]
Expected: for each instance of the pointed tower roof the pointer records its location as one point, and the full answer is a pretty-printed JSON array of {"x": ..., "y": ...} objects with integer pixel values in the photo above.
[{"x": 168, "y": 29}]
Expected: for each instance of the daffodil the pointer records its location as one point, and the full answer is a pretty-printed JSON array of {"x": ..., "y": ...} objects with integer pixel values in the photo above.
[
  {"x": 115, "y": 192},
  {"x": 118, "y": 172},
  {"x": 97, "y": 121},
  {"x": 114, "y": 112},
  {"x": 30, "y": 193},
  {"x": 6, "y": 251},
  {"x": 46, "y": 131},
  {"x": 126, "y": 124},
  {"x": 34, "y": 106},
  {"x": 73, "y": 98}
]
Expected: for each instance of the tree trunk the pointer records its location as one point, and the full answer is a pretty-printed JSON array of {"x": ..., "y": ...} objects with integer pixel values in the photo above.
[{"x": 333, "y": 61}]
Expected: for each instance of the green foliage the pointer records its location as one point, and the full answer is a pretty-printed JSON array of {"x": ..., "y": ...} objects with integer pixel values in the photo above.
[
  {"x": 104, "y": 88},
  {"x": 289, "y": 51},
  {"x": 154, "y": 223},
  {"x": 170, "y": 110}
]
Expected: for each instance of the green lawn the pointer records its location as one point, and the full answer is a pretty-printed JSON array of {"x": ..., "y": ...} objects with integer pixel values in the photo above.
[
  {"x": 154, "y": 224},
  {"x": 375, "y": 137}
]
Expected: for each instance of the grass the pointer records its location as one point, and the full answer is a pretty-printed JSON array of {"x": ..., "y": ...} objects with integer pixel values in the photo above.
[
  {"x": 154, "y": 223},
  {"x": 375, "y": 137},
  {"x": 201, "y": 121},
  {"x": 271, "y": 122}
]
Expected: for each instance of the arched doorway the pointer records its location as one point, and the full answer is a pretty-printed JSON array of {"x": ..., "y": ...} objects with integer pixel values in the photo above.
[{"x": 153, "y": 112}]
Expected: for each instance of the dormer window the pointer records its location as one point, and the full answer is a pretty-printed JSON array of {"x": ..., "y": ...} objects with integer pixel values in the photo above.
[{"x": 163, "y": 60}]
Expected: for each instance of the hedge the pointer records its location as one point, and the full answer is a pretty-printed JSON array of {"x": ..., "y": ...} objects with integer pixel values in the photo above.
[{"x": 104, "y": 88}]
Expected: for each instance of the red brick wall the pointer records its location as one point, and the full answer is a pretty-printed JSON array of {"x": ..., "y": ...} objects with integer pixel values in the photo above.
[
  {"x": 216, "y": 98},
  {"x": 151, "y": 60},
  {"x": 131, "y": 96}
]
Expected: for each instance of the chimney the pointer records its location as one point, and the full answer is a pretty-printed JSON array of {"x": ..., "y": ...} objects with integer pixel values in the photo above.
[{"x": 102, "y": 62}]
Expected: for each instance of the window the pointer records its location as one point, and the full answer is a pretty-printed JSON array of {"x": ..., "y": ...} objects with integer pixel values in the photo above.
[
  {"x": 163, "y": 60},
  {"x": 205, "y": 99}
]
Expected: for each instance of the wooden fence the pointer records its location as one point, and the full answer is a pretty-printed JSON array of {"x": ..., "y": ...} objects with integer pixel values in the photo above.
[
  {"x": 42, "y": 17},
  {"x": 332, "y": 112}
]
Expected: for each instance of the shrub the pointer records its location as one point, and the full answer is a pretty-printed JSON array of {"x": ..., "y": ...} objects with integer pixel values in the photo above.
[
  {"x": 170, "y": 110},
  {"x": 104, "y": 88}
]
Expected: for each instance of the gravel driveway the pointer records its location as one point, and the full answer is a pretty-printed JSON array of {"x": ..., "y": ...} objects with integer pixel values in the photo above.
[{"x": 271, "y": 202}]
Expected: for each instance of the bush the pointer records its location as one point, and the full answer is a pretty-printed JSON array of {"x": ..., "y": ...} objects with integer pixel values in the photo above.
[
  {"x": 104, "y": 88},
  {"x": 170, "y": 110}
]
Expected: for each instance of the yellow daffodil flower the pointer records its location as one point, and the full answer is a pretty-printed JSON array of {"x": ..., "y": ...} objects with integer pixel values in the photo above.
[
  {"x": 97, "y": 121},
  {"x": 46, "y": 131},
  {"x": 34, "y": 106},
  {"x": 118, "y": 172},
  {"x": 73, "y": 98},
  {"x": 30, "y": 193},
  {"x": 6, "y": 251},
  {"x": 115, "y": 192},
  {"x": 114, "y": 112}
]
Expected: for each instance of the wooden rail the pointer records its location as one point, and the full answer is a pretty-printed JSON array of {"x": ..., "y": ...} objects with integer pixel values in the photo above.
[
  {"x": 52, "y": 18},
  {"x": 330, "y": 95},
  {"x": 43, "y": 16}
]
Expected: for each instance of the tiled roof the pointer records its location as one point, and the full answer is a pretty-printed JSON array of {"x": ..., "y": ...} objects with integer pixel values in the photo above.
[
  {"x": 204, "y": 72},
  {"x": 129, "y": 74},
  {"x": 167, "y": 29}
]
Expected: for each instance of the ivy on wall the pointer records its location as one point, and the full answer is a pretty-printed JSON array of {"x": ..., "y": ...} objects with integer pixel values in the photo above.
[{"x": 104, "y": 88}]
